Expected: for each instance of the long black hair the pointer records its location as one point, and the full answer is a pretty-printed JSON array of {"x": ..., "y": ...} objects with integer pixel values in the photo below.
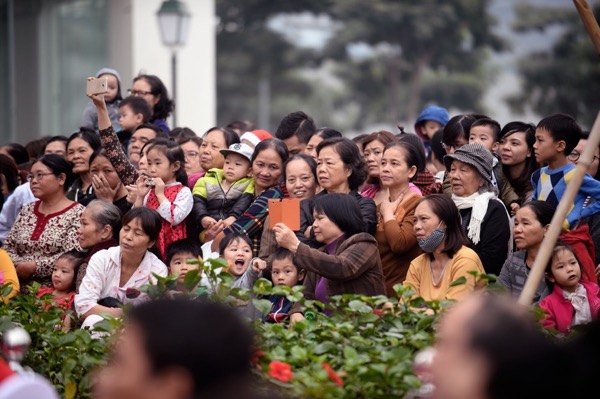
[
  {"x": 521, "y": 184},
  {"x": 165, "y": 106}
]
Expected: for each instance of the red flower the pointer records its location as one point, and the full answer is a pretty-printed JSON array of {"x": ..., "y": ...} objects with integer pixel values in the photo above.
[
  {"x": 280, "y": 371},
  {"x": 378, "y": 312},
  {"x": 333, "y": 376},
  {"x": 256, "y": 357}
]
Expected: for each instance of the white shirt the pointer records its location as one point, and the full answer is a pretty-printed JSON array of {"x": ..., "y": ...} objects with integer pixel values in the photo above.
[
  {"x": 581, "y": 304},
  {"x": 103, "y": 274},
  {"x": 11, "y": 208},
  {"x": 184, "y": 202}
]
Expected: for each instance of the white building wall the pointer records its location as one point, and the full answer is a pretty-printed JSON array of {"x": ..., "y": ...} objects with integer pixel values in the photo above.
[{"x": 196, "y": 80}]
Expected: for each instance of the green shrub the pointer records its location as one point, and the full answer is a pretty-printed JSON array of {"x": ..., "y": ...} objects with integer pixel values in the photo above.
[
  {"x": 68, "y": 358},
  {"x": 359, "y": 351}
]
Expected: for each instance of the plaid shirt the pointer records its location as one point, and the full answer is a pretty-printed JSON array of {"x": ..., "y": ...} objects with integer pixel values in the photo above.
[
  {"x": 426, "y": 183},
  {"x": 253, "y": 220}
]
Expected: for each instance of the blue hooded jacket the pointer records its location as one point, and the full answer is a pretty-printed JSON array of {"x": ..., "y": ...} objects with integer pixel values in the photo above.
[{"x": 431, "y": 113}]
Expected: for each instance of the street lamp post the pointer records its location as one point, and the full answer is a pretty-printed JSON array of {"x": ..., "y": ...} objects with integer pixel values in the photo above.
[{"x": 174, "y": 22}]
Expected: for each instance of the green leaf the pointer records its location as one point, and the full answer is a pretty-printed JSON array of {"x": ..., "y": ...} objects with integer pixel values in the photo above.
[
  {"x": 215, "y": 263},
  {"x": 359, "y": 306},
  {"x": 425, "y": 322},
  {"x": 299, "y": 353},
  {"x": 350, "y": 352},
  {"x": 192, "y": 279},
  {"x": 324, "y": 347},
  {"x": 263, "y": 305},
  {"x": 459, "y": 281},
  {"x": 262, "y": 287},
  {"x": 67, "y": 339},
  {"x": 226, "y": 279}
]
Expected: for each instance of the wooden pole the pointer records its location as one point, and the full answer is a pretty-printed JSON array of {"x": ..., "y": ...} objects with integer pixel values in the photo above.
[
  {"x": 589, "y": 21},
  {"x": 537, "y": 270},
  {"x": 565, "y": 204}
]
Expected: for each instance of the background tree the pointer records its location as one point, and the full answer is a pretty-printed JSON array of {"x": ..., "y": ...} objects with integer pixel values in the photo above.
[
  {"x": 412, "y": 53},
  {"x": 426, "y": 51},
  {"x": 567, "y": 77},
  {"x": 252, "y": 57}
]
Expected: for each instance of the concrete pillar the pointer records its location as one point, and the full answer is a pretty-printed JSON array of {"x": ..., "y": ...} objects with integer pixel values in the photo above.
[{"x": 196, "y": 81}]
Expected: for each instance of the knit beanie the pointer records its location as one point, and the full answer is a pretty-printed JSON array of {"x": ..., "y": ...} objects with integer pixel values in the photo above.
[{"x": 475, "y": 155}]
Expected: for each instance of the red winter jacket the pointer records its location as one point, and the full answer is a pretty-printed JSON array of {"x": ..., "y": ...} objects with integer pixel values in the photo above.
[{"x": 560, "y": 311}]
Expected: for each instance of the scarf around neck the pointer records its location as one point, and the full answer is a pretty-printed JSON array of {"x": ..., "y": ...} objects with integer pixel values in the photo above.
[{"x": 478, "y": 203}]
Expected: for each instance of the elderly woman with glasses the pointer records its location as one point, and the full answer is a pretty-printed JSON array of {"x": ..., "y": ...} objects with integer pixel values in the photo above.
[{"x": 46, "y": 228}]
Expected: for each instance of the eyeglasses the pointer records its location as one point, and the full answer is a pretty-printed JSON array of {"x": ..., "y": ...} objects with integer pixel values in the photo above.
[
  {"x": 574, "y": 156},
  {"x": 38, "y": 176},
  {"x": 139, "y": 93},
  {"x": 449, "y": 146},
  {"x": 191, "y": 154}
]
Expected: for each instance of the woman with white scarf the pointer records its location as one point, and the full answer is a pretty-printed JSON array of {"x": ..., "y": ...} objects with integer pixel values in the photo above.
[{"x": 484, "y": 216}]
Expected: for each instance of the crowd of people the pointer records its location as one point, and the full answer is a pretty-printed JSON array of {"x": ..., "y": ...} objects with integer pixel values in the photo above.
[{"x": 94, "y": 215}]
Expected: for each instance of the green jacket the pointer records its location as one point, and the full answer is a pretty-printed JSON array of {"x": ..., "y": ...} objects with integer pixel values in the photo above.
[{"x": 211, "y": 200}]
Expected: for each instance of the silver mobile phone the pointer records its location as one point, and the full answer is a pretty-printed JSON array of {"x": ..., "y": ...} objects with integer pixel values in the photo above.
[{"x": 97, "y": 86}]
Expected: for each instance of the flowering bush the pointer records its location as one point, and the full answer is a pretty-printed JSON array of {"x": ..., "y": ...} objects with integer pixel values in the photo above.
[
  {"x": 360, "y": 350},
  {"x": 66, "y": 358}
]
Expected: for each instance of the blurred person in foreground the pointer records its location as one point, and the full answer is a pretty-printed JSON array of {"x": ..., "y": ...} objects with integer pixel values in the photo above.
[
  {"x": 202, "y": 360},
  {"x": 490, "y": 347}
]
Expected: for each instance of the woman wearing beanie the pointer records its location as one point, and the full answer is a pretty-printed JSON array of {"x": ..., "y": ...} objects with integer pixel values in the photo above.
[{"x": 484, "y": 217}]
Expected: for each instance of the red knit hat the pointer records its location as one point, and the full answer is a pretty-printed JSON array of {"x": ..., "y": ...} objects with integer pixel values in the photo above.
[
  {"x": 262, "y": 134},
  {"x": 256, "y": 136}
]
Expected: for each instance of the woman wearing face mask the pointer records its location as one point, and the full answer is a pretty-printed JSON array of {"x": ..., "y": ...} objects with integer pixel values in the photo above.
[{"x": 447, "y": 256}]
